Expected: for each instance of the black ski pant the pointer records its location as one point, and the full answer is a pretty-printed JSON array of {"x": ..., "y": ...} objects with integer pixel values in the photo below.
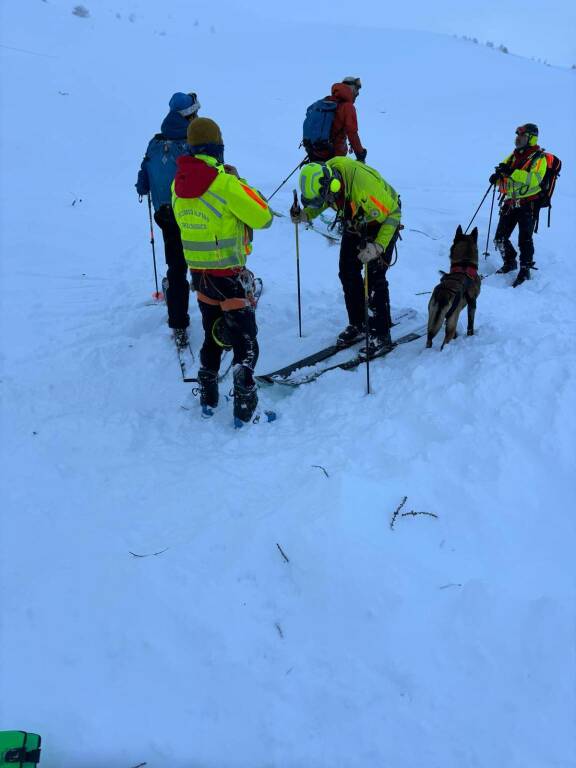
[
  {"x": 350, "y": 274},
  {"x": 241, "y": 323},
  {"x": 525, "y": 217},
  {"x": 178, "y": 291}
]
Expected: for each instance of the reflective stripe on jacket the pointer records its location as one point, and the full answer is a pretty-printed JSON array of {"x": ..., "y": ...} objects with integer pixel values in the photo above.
[
  {"x": 216, "y": 220},
  {"x": 524, "y": 181},
  {"x": 370, "y": 197}
]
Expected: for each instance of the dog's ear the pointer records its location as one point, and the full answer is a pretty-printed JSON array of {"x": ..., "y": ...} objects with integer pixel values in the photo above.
[
  {"x": 474, "y": 234},
  {"x": 459, "y": 230}
]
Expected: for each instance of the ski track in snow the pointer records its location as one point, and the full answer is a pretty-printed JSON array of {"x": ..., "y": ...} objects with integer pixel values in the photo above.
[{"x": 446, "y": 641}]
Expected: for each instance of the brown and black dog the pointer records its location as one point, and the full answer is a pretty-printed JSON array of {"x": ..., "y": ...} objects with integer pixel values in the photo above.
[{"x": 457, "y": 289}]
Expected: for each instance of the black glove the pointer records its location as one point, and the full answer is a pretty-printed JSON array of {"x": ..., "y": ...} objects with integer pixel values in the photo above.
[
  {"x": 361, "y": 156},
  {"x": 501, "y": 172}
]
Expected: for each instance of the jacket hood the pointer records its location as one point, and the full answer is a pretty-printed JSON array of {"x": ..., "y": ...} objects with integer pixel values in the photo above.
[
  {"x": 193, "y": 176},
  {"x": 342, "y": 92},
  {"x": 174, "y": 126}
]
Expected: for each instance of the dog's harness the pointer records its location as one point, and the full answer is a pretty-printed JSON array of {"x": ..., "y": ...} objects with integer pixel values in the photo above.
[
  {"x": 471, "y": 275},
  {"x": 470, "y": 271}
]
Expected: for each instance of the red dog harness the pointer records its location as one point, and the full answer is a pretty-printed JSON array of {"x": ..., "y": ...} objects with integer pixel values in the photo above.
[{"x": 470, "y": 271}]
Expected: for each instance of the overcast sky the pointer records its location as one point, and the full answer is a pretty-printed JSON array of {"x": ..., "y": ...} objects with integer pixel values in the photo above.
[{"x": 544, "y": 29}]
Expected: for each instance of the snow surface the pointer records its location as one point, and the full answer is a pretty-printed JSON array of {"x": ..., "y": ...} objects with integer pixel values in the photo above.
[{"x": 440, "y": 642}]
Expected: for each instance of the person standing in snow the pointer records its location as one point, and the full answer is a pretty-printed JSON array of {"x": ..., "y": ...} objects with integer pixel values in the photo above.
[
  {"x": 369, "y": 211},
  {"x": 216, "y": 211},
  {"x": 344, "y": 129},
  {"x": 519, "y": 178},
  {"x": 155, "y": 177}
]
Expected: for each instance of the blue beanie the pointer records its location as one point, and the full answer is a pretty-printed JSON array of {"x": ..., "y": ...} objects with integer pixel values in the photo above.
[{"x": 184, "y": 103}]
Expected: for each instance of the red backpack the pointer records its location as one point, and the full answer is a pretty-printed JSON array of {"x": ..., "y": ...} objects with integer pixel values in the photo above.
[{"x": 553, "y": 168}]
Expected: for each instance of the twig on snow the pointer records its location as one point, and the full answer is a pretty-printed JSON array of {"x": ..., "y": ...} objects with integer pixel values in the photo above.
[
  {"x": 420, "y": 232},
  {"x": 317, "y": 466},
  {"x": 397, "y": 512},
  {"x": 284, "y": 555},
  {"x": 422, "y": 293},
  {"x": 446, "y": 586},
  {"x": 279, "y": 628},
  {"x": 149, "y": 554},
  {"x": 415, "y": 514},
  {"x": 140, "y": 765}
]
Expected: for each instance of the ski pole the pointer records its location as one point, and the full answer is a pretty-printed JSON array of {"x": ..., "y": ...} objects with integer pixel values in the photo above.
[
  {"x": 157, "y": 294},
  {"x": 486, "y": 252},
  {"x": 477, "y": 209},
  {"x": 287, "y": 177},
  {"x": 366, "y": 323},
  {"x": 298, "y": 268}
]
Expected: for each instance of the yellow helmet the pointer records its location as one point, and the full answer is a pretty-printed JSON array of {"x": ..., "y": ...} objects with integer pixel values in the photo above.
[
  {"x": 531, "y": 129},
  {"x": 317, "y": 183}
]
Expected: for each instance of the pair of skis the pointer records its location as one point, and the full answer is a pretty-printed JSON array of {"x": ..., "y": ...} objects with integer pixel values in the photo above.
[{"x": 294, "y": 375}]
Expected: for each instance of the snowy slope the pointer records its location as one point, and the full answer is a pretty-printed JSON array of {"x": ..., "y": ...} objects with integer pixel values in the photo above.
[{"x": 445, "y": 642}]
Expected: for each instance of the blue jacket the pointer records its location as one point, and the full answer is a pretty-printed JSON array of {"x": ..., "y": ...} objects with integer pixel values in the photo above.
[{"x": 158, "y": 168}]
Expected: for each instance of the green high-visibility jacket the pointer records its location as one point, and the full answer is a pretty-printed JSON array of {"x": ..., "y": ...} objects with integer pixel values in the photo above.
[
  {"x": 525, "y": 181},
  {"x": 216, "y": 213},
  {"x": 370, "y": 197}
]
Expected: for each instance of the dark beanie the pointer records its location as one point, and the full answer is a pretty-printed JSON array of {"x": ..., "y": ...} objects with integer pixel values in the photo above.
[{"x": 203, "y": 131}]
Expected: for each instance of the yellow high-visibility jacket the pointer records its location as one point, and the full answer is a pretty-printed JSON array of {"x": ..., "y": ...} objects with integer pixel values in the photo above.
[
  {"x": 524, "y": 181},
  {"x": 370, "y": 197},
  {"x": 216, "y": 213}
]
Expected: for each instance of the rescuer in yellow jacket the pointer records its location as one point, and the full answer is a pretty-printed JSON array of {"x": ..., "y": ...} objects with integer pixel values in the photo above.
[
  {"x": 369, "y": 211},
  {"x": 216, "y": 212},
  {"x": 519, "y": 178}
]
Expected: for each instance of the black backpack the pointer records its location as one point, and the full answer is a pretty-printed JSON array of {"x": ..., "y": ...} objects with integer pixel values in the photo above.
[{"x": 553, "y": 168}]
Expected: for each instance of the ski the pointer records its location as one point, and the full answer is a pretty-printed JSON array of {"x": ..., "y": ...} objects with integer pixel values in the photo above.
[
  {"x": 321, "y": 355},
  {"x": 347, "y": 365},
  {"x": 186, "y": 360}
]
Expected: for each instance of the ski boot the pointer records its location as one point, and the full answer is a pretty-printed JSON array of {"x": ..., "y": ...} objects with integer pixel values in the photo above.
[
  {"x": 378, "y": 344},
  {"x": 208, "y": 381},
  {"x": 245, "y": 396},
  {"x": 522, "y": 276},
  {"x": 508, "y": 266},
  {"x": 180, "y": 337},
  {"x": 349, "y": 335}
]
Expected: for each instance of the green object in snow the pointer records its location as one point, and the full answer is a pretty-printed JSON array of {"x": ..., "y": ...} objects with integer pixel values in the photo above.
[{"x": 19, "y": 749}]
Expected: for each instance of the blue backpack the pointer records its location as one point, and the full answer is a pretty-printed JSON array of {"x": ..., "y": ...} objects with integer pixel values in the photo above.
[
  {"x": 160, "y": 166},
  {"x": 317, "y": 128}
]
